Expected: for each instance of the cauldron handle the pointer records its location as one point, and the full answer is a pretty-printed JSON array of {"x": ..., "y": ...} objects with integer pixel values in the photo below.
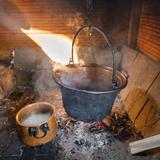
[{"x": 71, "y": 60}]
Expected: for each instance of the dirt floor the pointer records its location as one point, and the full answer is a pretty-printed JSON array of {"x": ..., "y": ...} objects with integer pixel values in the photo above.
[{"x": 74, "y": 140}]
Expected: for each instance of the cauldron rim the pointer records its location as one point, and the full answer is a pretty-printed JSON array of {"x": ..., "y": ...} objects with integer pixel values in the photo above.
[{"x": 89, "y": 91}]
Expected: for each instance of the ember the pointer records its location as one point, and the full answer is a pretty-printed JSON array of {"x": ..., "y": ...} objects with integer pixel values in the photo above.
[{"x": 98, "y": 125}]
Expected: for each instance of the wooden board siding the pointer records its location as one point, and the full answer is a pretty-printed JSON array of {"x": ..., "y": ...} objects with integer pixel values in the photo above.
[
  {"x": 143, "y": 73},
  {"x": 149, "y": 32},
  {"x": 60, "y": 17}
]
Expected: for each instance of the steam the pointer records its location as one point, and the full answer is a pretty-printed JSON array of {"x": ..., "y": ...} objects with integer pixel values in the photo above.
[
  {"x": 36, "y": 118},
  {"x": 97, "y": 55},
  {"x": 85, "y": 78},
  {"x": 75, "y": 21},
  {"x": 55, "y": 52},
  {"x": 10, "y": 21}
]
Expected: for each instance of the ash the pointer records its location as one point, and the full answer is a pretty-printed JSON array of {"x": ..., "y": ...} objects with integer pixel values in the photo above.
[
  {"x": 74, "y": 140},
  {"x": 80, "y": 142}
]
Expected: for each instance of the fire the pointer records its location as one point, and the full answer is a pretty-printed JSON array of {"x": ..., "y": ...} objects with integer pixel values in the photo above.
[{"x": 56, "y": 46}]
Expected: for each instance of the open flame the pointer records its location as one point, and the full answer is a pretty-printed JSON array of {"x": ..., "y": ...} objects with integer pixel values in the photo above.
[{"x": 56, "y": 46}]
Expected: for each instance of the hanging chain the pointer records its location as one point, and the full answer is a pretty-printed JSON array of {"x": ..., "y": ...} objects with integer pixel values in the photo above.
[{"x": 90, "y": 7}]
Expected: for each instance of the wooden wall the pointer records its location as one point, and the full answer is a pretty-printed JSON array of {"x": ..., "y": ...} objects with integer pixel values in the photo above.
[
  {"x": 59, "y": 17},
  {"x": 149, "y": 31},
  {"x": 141, "y": 95}
]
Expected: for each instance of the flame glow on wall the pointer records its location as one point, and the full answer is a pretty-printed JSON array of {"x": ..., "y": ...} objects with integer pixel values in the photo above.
[{"x": 56, "y": 46}]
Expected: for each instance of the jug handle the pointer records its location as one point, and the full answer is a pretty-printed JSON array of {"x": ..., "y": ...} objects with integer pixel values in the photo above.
[
  {"x": 33, "y": 131},
  {"x": 71, "y": 60}
]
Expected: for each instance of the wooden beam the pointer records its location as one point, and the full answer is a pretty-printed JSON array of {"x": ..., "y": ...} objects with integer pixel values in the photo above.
[
  {"x": 145, "y": 144},
  {"x": 135, "y": 14}
]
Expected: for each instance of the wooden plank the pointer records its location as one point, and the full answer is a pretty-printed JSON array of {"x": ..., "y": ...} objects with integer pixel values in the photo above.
[
  {"x": 148, "y": 50},
  {"x": 134, "y": 103},
  {"x": 143, "y": 111},
  {"x": 153, "y": 43},
  {"x": 152, "y": 128},
  {"x": 154, "y": 91},
  {"x": 148, "y": 31},
  {"x": 145, "y": 144},
  {"x": 141, "y": 75},
  {"x": 151, "y": 18},
  {"x": 147, "y": 117},
  {"x": 149, "y": 27}
]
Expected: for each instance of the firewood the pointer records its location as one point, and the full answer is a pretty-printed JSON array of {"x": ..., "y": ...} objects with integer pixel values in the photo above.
[{"x": 145, "y": 144}]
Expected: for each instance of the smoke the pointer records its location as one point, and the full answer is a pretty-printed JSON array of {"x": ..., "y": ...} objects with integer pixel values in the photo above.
[
  {"x": 33, "y": 68},
  {"x": 85, "y": 78},
  {"x": 9, "y": 20},
  {"x": 75, "y": 21},
  {"x": 98, "y": 55}
]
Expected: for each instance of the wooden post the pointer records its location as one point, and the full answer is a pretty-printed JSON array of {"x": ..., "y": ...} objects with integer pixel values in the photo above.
[{"x": 136, "y": 7}]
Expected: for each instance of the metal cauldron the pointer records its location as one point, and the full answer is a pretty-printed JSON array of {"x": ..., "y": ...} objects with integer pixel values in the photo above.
[
  {"x": 37, "y": 123},
  {"x": 88, "y": 92}
]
